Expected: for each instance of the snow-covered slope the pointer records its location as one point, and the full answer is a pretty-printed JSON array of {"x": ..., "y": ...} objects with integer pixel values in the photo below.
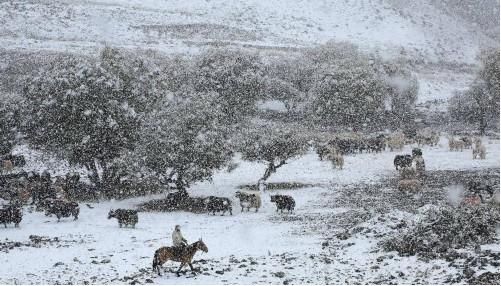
[
  {"x": 415, "y": 28},
  {"x": 94, "y": 250}
]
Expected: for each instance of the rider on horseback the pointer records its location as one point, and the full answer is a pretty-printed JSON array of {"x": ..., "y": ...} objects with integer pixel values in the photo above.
[{"x": 178, "y": 241}]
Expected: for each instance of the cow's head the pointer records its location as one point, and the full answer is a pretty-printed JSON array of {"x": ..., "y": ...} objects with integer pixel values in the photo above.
[{"x": 111, "y": 214}]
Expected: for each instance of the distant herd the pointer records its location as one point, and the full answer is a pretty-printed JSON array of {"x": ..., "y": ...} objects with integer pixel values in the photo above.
[{"x": 51, "y": 198}]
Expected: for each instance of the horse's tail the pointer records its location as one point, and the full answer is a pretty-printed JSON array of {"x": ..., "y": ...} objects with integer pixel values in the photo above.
[{"x": 156, "y": 261}]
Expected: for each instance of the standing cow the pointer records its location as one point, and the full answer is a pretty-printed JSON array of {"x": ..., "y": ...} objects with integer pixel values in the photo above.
[
  {"x": 124, "y": 217},
  {"x": 249, "y": 200},
  {"x": 283, "y": 202},
  {"x": 218, "y": 204},
  {"x": 11, "y": 214}
]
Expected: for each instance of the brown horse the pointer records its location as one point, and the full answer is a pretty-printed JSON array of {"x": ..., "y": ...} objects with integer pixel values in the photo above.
[{"x": 163, "y": 254}]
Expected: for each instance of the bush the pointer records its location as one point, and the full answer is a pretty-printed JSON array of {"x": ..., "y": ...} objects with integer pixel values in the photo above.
[{"x": 447, "y": 228}]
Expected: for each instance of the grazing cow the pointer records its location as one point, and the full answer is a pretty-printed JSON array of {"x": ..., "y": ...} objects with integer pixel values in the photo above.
[
  {"x": 345, "y": 145},
  {"x": 396, "y": 141},
  {"x": 409, "y": 185},
  {"x": 479, "y": 151},
  {"x": 62, "y": 209},
  {"x": 249, "y": 200},
  {"x": 7, "y": 166},
  {"x": 456, "y": 145},
  {"x": 218, "y": 204},
  {"x": 376, "y": 144},
  {"x": 402, "y": 161},
  {"x": 322, "y": 151},
  {"x": 427, "y": 137},
  {"x": 283, "y": 202},
  {"x": 467, "y": 141},
  {"x": 337, "y": 160},
  {"x": 124, "y": 217},
  {"x": 11, "y": 214}
]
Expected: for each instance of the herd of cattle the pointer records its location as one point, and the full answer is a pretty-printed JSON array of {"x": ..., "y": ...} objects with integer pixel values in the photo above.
[{"x": 51, "y": 196}]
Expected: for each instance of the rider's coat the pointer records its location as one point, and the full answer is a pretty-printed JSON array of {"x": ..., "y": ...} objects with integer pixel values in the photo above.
[{"x": 178, "y": 239}]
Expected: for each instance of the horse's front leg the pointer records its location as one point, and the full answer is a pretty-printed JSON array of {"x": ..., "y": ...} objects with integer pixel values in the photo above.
[{"x": 180, "y": 267}]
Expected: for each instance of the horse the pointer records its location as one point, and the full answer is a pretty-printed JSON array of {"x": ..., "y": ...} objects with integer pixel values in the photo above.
[{"x": 163, "y": 254}]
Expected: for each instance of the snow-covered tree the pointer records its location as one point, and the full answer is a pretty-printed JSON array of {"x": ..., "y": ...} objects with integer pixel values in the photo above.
[
  {"x": 186, "y": 138},
  {"x": 236, "y": 78},
  {"x": 355, "y": 89},
  {"x": 273, "y": 146},
  {"x": 479, "y": 104},
  {"x": 8, "y": 124},
  {"x": 348, "y": 94},
  {"x": 88, "y": 110},
  {"x": 402, "y": 90}
]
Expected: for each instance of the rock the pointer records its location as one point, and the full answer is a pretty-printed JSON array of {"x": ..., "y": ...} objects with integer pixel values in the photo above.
[
  {"x": 400, "y": 274},
  {"x": 221, "y": 272},
  {"x": 325, "y": 244},
  {"x": 279, "y": 274},
  {"x": 234, "y": 260},
  {"x": 343, "y": 236},
  {"x": 468, "y": 272}
]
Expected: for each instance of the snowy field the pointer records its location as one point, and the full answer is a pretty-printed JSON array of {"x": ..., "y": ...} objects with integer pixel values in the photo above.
[{"x": 263, "y": 247}]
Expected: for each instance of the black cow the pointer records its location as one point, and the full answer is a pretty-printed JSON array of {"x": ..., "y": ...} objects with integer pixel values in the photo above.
[
  {"x": 283, "y": 202},
  {"x": 376, "y": 144},
  {"x": 322, "y": 151},
  {"x": 11, "y": 214},
  {"x": 402, "y": 161},
  {"x": 124, "y": 217},
  {"x": 218, "y": 204},
  {"x": 61, "y": 209}
]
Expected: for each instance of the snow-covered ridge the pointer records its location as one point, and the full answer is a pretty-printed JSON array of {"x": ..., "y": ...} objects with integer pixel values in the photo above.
[{"x": 415, "y": 28}]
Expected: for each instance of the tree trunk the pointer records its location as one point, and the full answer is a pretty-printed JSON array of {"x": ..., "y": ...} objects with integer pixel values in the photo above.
[
  {"x": 272, "y": 168},
  {"x": 483, "y": 125},
  {"x": 94, "y": 175}
]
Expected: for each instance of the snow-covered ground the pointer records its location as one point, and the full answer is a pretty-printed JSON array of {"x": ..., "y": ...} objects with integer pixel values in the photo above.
[
  {"x": 419, "y": 28},
  {"x": 93, "y": 249}
]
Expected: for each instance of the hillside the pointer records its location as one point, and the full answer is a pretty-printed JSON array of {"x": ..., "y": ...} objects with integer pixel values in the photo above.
[{"x": 431, "y": 30}]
